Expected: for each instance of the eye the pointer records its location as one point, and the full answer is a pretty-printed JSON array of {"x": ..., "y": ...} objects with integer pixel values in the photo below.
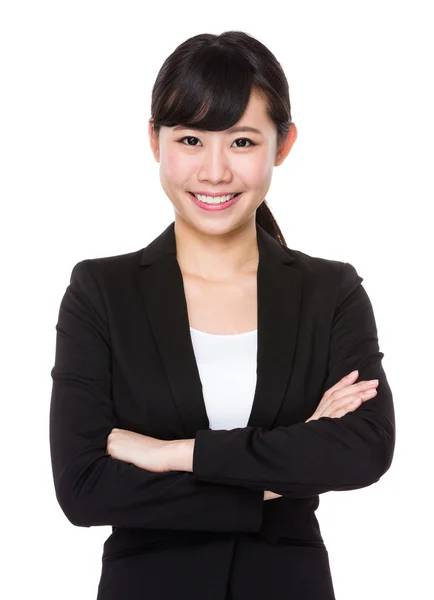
[
  {"x": 190, "y": 137},
  {"x": 245, "y": 140}
]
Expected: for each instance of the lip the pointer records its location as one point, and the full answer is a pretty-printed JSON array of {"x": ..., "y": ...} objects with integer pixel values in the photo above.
[
  {"x": 213, "y": 207},
  {"x": 214, "y": 195}
]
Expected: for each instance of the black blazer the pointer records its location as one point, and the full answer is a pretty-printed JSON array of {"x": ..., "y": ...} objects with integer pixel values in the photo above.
[{"x": 124, "y": 358}]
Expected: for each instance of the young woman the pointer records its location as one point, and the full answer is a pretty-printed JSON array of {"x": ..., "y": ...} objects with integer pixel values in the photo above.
[{"x": 208, "y": 387}]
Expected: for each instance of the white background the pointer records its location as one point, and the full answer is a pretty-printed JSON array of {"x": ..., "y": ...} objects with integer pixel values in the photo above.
[{"x": 79, "y": 181}]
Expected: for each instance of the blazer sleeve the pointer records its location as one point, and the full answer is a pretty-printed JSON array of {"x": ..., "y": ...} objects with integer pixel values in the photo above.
[
  {"x": 93, "y": 488},
  {"x": 306, "y": 459}
]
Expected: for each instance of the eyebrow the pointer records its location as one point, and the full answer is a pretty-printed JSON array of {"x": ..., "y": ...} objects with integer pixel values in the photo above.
[{"x": 236, "y": 129}]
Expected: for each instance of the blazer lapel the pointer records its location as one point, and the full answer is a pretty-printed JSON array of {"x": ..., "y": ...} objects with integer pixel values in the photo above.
[{"x": 279, "y": 287}]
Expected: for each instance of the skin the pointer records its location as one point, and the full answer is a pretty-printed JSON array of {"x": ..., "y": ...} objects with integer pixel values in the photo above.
[{"x": 215, "y": 246}]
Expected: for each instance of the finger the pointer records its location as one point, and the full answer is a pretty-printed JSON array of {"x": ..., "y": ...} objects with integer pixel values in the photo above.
[
  {"x": 350, "y": 403},
  {"x": 344, "y": 382},
  {"x": 342, "y": 390},
  {"x": 350, "y": 398},
  {"x": 351, "y": 390},
  {"x": 351, "y": 407},
  {"x": 346, "y": 395},
  {"x": 340, "y": 385}
]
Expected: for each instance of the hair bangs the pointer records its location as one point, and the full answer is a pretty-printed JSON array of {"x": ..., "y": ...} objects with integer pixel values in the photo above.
[{"x": 210, "y": 92}]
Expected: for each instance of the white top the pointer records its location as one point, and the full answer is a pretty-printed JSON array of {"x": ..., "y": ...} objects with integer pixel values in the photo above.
[{"x": 227, "y": 369}]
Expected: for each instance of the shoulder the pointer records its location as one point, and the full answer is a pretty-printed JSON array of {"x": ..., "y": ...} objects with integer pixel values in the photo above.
[
  {"x": 326, "y": 273},
  {"x": 97, "y": 277},
  {"x": 321, "y": 266},
  {"x": 107, "y": 265}
]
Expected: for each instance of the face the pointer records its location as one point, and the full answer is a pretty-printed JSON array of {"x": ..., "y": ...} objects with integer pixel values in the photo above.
[{"x": 220, "y": 163}]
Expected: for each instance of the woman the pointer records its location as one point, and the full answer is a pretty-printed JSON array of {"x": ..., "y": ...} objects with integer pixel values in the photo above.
[{"x": 208, "y": 387}]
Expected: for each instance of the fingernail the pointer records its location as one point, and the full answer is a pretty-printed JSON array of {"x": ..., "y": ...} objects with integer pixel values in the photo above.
[{"x": 353, "y": 373}]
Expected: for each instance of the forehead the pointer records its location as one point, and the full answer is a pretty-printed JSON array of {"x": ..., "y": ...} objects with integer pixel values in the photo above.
[
  {"x": 256, "y": 106},
  {"x": 256, "y": 113}
]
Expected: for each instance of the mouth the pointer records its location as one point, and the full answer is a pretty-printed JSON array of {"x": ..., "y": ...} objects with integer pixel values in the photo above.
[{"x": 217, "y": 205}]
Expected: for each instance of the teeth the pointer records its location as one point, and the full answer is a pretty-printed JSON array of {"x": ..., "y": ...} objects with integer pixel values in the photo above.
[{"x": 216, "y": 200}]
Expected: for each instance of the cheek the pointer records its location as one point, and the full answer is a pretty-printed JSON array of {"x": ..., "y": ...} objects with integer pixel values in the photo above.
[
  {"x": 256, "y": 172},
  {"x": 174, "y": 167}
]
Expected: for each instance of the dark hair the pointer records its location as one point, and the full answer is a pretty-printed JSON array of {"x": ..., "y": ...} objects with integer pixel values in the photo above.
[{"x": 206, "y": 84}]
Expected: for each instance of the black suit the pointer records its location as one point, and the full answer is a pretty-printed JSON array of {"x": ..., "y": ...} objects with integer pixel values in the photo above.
[{"x": 124, "y": 358}]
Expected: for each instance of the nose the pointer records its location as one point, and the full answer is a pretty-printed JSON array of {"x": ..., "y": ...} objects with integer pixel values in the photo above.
[{"x": 215, "y": 166}]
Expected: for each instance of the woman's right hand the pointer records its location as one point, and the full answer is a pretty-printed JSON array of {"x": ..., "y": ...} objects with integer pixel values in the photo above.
[
  {"x": 270, "y": 495},
  {"x": 344, "y": 397}
]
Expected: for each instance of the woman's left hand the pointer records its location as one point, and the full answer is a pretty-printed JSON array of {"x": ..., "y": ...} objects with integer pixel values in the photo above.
[{"x": 143, "y": 451}]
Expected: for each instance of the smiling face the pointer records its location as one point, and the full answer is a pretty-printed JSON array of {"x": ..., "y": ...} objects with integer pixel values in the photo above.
[{"x": 236, "y": 160}]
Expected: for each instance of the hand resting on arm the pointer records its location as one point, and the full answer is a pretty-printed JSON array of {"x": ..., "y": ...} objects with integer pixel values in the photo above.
[{"x": 340, "y": 399}]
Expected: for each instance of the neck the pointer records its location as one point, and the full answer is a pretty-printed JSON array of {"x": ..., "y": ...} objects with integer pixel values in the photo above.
[{"x": 216, "y": 256}]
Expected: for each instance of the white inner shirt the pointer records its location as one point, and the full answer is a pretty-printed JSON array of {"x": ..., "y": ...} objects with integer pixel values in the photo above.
[{"x": 227, "y": 369}]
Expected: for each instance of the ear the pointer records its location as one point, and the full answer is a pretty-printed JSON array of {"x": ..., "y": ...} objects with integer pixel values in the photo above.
[
  {"x": 154, "y": 141},
  {"x": 284, "y": 148}
]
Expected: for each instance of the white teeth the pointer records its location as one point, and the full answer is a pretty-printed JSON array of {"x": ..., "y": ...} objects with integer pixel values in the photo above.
[{"x": 216, "y": 200}]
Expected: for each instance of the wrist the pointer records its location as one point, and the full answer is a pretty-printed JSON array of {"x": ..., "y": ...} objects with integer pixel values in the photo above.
[{"x": 181, "y": 455}]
